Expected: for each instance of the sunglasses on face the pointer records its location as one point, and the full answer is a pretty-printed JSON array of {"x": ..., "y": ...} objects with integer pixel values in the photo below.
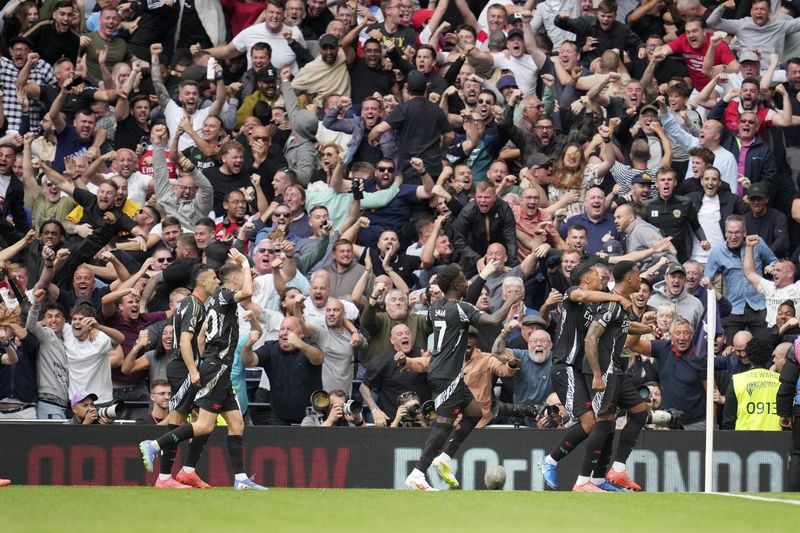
[
  {"x": 385, "y": 169},
  {"x": 282, "y": 215},
  {"x": 164, "y": 259},
  {"x": 484, "y": 101}
]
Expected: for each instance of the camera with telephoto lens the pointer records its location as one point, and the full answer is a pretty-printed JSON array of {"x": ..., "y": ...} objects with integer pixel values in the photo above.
[
  {"x": 352, "y": 408},
  {"x": 321, "y": 403},
  {"x": 116, "y": 411},
  {"x": 665, "y": 418}
]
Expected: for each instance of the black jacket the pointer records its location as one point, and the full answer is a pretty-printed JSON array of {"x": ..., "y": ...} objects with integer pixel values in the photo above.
[
  {"x": 671, "y": 217},
  {"x": 469, "y": 231},
  {"x": 729, "y": 204},
  {"x": 13, "y": 204},
  {"x": 784, "y": 401},
  {"x": 773, "y": 228}
]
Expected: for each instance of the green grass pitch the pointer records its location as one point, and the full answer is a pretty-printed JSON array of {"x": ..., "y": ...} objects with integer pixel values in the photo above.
[{"x": 110, "y": 509}]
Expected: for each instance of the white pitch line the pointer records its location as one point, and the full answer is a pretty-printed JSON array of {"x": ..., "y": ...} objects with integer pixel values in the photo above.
[{"x": 757, "y": 498}]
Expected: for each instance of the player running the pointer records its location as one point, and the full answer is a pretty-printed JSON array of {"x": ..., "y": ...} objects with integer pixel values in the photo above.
[
  {"x": 603, "y": 371},
  {"x": 216, "y": 394},
  {"x": 184, "y": 378},
  {"x": 566, "y": 373},
  {"x": 450, "y": 319}
]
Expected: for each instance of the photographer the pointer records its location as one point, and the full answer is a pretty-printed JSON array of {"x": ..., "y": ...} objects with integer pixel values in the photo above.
[
  {"x": 340, "y": 411},
  {"x": 409, "y": 412},
  {"x": 552, "y": 418},
  {"x": 84, "y": 412}
]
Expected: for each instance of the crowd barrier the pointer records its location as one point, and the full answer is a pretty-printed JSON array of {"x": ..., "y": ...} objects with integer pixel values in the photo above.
[{"x": 668, "y": 461}]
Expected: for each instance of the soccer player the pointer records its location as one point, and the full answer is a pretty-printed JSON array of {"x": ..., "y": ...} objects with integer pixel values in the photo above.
[
  {"x": 216, "y": 395},
  {"x": 450, "y": 318},
  {"x": 184, "y": 378},
  {"x": 603, "y": 371},
  {"x": 566, "y": 373}
]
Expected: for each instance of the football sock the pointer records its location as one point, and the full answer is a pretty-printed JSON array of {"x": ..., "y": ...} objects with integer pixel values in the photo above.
[{"x": 433, "y": 445}]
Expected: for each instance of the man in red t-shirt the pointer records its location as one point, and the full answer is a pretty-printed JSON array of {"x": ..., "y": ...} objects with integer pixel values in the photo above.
[{"x": 693, "y": 44}]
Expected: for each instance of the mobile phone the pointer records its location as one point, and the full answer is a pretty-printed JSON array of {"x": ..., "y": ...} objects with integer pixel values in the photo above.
[
  {"x": 77, "y": 80},
  {"x": 358, "y": 194}
]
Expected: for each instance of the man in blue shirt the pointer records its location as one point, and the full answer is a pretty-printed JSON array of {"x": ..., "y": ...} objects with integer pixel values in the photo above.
[
  {"x": 597, "y": 221},
  {"x": 749, "y": 308}
]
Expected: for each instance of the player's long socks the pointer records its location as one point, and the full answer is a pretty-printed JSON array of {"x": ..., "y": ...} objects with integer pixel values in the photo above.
[
  {"x": 628, "y": 438},
  {"x": 433, "y": 445},
  {"x": 461, "y": 432},
  {"x": 167, "y": 458},
  {"x": 599, "y": 470},
  {"x": 594, "y": 448},
  {"x": 236, "y": 453},
  {"x": 171, "y": 439},
  {"x": 572, "y": 438},
  {"x": 196, "y": 448}
]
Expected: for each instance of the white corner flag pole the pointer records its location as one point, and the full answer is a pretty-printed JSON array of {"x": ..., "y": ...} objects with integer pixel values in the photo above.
[{"x": 711, "y": 328}]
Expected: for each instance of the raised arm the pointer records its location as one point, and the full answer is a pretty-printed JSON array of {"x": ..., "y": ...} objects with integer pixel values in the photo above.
[
  {"x": 155, "y": 73},
  {"x": 749, "y": 263},
  {"x": 498, "y": 316},
  {"x": 246, "y": 292},
  {"x": 536, "y": 53},
  {"x": 57, "y": 178}
]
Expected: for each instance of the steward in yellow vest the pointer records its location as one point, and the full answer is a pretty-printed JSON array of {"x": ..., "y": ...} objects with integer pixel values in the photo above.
[{"x": 750, "y": 399}]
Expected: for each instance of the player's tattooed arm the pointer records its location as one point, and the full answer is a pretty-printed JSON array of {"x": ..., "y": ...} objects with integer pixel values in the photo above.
[
  {"x": 584, "y": 296},
  {"x": 498, "y": 316},
  {"x": 596, "y": 331},
  {"x": 499, "y": 347}
]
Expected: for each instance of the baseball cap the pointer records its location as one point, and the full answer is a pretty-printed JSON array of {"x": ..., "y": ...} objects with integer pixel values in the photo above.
[
  {"x": 266, "y": 75},
  {"x": 417, "y": 83},
  {"x": 534, "y": 320},
  {"x": 538, "y": 159},
  {"x": 648, "y": 107},
  {"x": 506, "y": 81},
  {"x": 328, "y": 39},
  {"x": 748, "y": 55},
  {"x": 78, "y": 397},
  {"x": 20, "y": 39},
  {"x": 515, "y": 32},
  {"x": 473, "y": 330},
  {"x": 758, "y": 190},
  {"x": 675, "y": 267},
  {"x": 642, "y": 179}
]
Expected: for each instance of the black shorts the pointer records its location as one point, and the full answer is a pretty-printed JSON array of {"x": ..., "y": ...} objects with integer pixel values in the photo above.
[
  {"x": 569, "y": 385},
  {"x": 605, "y": 401},
  {"x": 628, "y": 395},
  {"x": 183, "y": 392},
  {"x": 216, "y": 392},
  {"x": 450, "y": 397}
]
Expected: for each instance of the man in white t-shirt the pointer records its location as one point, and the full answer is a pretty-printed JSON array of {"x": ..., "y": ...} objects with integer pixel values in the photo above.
[
  {"x": 782, "y": 287},
  {"x": 513, "y": 58},
  {"x": 91, "y": 350},
  {"x": 270, "y": 32},
  {"x": 188, "y": 96}
]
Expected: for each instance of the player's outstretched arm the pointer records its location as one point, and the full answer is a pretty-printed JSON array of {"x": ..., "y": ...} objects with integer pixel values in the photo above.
[{"x": 498, "y": 316}]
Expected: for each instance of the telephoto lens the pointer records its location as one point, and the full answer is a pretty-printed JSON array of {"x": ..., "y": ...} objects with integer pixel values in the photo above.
[
  {"x": 352, "y": 408},
  {"x": 115, "y": 411}
]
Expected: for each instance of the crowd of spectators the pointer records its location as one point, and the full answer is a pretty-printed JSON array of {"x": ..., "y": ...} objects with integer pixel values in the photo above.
[{"x": 351, "y": 150}]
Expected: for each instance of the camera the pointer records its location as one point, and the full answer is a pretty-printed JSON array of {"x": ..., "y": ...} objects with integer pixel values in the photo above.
[
  {"x": 116, "y": 411},
  {"x": 518, "y": 15},
  {"x": 515, "y": 410},
  {"x": 665, "y": 418},
  {"x": 352, "y": 408},
  {"x": 358, "y": 194},
  {"x": 427, "y": 409}
]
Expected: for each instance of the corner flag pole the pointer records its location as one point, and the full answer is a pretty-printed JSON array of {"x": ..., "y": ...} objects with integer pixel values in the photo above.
[{"x": 711, "y": 328}]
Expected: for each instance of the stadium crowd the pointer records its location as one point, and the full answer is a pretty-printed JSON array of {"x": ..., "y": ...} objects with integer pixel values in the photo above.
[{"x": 351, "y": 150}]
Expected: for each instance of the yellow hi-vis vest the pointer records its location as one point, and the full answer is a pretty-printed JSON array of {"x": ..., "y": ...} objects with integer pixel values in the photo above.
[{"x": 755, "y": 393}]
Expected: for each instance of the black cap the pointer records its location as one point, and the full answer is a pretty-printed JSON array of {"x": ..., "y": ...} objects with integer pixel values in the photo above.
[
  {"x": 266, "y": 75},
  {"x": 642, "y": 179},
  {"x": 515, "y": 32},
  {"x": 417, "y": 82},
  {"x": 328, "y": 40},
  {"x": 534, "y": 320},
  {"x": 538, "y": 159},
  {"x": 758, "y": 190},
  {"x": 675, "y": 267},
  {"x": 20, "y": 39}
]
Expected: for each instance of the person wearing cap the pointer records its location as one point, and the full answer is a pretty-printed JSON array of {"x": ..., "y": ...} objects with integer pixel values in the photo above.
[
  {"x": 672, "y": 291},
  {"x": 713, "y": 206},
  {"x": 760, "y": 31},
  {"x": 266, "y": 91},
  {"x": 768, "y": 223},
  {"x": 41, "y": 73},
  {"x": 84, "y": 411},
  {"x": 514, "y": 58},
  {"x": 326, "y": 75},
  {"x": 505, "y": 85},
  {"x": 422, "y": 129}
]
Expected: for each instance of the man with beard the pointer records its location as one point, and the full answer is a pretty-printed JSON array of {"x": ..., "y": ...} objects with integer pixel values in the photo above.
[
  {"x": 133, "y": 122},
  {"x": 532, "y": 383},
  {"x": 325, "y": 75},
  {"x": 367, "y": 74},
  {"x": 233, "y": 218},
  {"x": 260, "y": 58},
  {"x": 77, "y": 138},
  {"x": 189, "y": 98},
  {"x": 266, "y": 91},
  {"x": 359, "y": 149},
  {"x": 732, "y": 107}
]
